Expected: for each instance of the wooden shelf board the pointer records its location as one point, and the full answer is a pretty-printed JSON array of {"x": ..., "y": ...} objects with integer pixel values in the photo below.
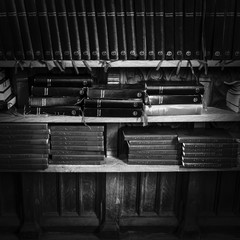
[
  {"x": 116, "y": 165},
  {"x": 119, "y": 63},
  {"x": 209, "y": 115}
]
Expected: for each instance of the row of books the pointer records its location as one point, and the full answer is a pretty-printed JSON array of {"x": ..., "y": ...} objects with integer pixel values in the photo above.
[
  {"x": 7, "y": 98},
  {"x": 78, "y": 96},
  {"x": 24, "y": 146},
  {"x": 199, "y": 148},
  {"x": 119, "y": 29}
]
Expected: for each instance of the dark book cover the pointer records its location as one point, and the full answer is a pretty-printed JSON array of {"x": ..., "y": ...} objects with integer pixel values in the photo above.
[
  {"x": 24, "y": 166},
  {"x": 52, "y": 101},
  {"x": 73, "y": 29},
  {"x": 84, "y": 148},
  {"x": 216, "y": 145},
  {"x": 236, "y": 33},
  {"x": 23, "y": 156},
  {"x": 206, "y": 159},
  {"x": 188, "y": 29},
  {"x": 15, "y": 28},
  {"x": 140, "y": 29},
  {"x": 26, "y": 126},
  {"x": 213, "y": 153},
  {"x": 102, "y": 29},
  {"x": 112, "y": 112},
  {"x": 63, "y": 81},
  {"x": 83, "y": 128},
  {"x": 7, "y": 38},
  {"x": 92, "y": 30},
  {"x": 174, "y": 87},
  {"x": 24, "y": 151},
  {"x": 34, "y": 29},
  {"x": 169, "y": 29},
  {"x": 25, "y": 132},
  {"x": 130, "y": 30},
  {"x": 219, "y": 25},
  {"x": 24, "y": 161},
  {"x": 198, "y": 30},
  {"x": 114, "y": 93},
  {"x": 55, "y": 91},
  {"x": 203, "y": 135},
  {"x": 63, "y": 29},
  {"x": 132, "y": 156},
  {"x": 153, "y": 162},
  {"x": 150, "y": 30},
  {"x": 121, "y": 27},
  {"x": 83, "y": 27},
  {"x": 76, "y": 143},
  {"x": 45, "y": 29},
  {"x": 159, "y": 29},
  {"x": 112, "y": 29},
  {"x": 152, "y": 147},
  {"x": 111, "y": 103},
  {"x": 173, "y": 99},
  {"x": 21, "y": 136},
  {"x": 77, "y": 138},
  {"x": 209, "y": 165},
  {"x": 151, "y": 142},
  {"x": 54, "y": 30},
  {"x": 76, "y": 153},
  {"x": 209, "y": 27},
  {"x": 153, "y": 152},
  {"x": 148, "y": 133},
  {"x": 26, "y": 142},
  {"x": 87, "y": 135},
  {"x": 24, "y": 28},
  {"x": 228, "y": 29}
]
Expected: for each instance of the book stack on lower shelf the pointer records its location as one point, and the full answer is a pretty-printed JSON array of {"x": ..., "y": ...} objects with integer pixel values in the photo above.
[
  {"x": 58, "y": 95},
  {"x": 24, "y": 146},
  {"x": 77, "y": 145},
  {"x": 208, "y": 148},
  {"x": 173, "y": 98},
  {"x": 114, "y": 101},
  {"x": 151, "y": 145}
]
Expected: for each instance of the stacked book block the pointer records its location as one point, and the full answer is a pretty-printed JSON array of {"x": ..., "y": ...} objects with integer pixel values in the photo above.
[
  {"x": 77, "y": 144},
  {"x": 114, "y": 101},
  {"x": 58, "y": 95},
  {"x": 151, "y": 145},
  {"x": 208, "y": 148},
  {"x": 173, "y": 98},
  {"x": 24, "y": 146}
]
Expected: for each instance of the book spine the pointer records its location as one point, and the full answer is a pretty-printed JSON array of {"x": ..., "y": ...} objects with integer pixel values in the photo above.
[
  {"x": 188, "y": 29},
  {"x": 209, "y": 165},
  {"x": 25, "y": 132},
  {"x": 52, "y": 101},
  {"x": 75, "y": 153},
  {"x": 169, "y": 29},
  {"x": 84, "y": 148},
  {"x": 5, "y": 162},
  {"x": 102, "y": 29},
  {"x": 73, "y": 29},
  {"x": 228, "y": 30},
  {"x": 114, "y": 94},
  {"x": 130, "y": 30},
  {"x": 209, "y": 27},
  {"x": 25, "y": 151},
  {"x": 101, "y": 103},
  {"x": 83, "y": 26},
  {"x": 112, "y": 29},
  {"x": 140, "y": 29},
  {"x": 62, "y": 110},
  {"x": 174, "y": 99},
  {"x": 178, "y": 32},
  {"x": 77, "y": 138},
  {"x": 154, "y": 162},
  {"x": 236, "y": 35},
  {"x": 77, "y": 143},
  {"x": 23, "y": 126},
  {"x": 92, "y": 30},
  {"x": 88, "y": 128},
  {"x": 23, "y": 24},
  {"x": 121, "y": 26},
  {"x": 159, "y": 30},
  {"x": 76, "y": 158},
  {"x": 23, "y": 156},
  {"x": 63, "y": 29},
  {"x": 7, "y": 38},
  {"x": 34, "y": 29},
  {"x": 112, "y": 112},
  {"x": 55, "y": 91},
  {"x": 11, "y": 142},
  {"x": 54, "y": 30},
  {"x": 152, "y": 157},
  {"x": 44, "y": 29},
  {"x": 154, "y": 152},
  {"x": 210, "y": 154},
  {"x": 219, "y": 30},
  {"x": 78, "y": 134},
  {"x": 198, "y": 19},
  {"x": 150, "y": 31}
]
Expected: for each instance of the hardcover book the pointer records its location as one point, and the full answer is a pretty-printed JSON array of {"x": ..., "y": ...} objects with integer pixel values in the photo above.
[
  {"x": 206, "y": 159},
  {"x": 27, "y": 126},
  {"x": 77, "y": 143},
  {"x": 76, "y": 133},
  {"x": 82, "y": 137},
  {"x": 154, "y": 162},
  {"x": 83, "y": 128},
  {"x": 209, "y": 165},
  {"x": 78, "y": 148},
  {"x": 75, "y": 153}
]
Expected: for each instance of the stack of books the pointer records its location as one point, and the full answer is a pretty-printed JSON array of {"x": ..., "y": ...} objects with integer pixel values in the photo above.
[
  {"x": 208, "y": 148},
  {"x": 151, "y": 145},
  {"x": 233, "y": 96},
  {"x": 58, "y": 95},
  {"x": 77, "y": 144},
  {"x": 24, "y": 146},
  {"x": 173, "y": 98},
  {"x": 114, "y": 101},
  {"x": 7, "y": 99}
]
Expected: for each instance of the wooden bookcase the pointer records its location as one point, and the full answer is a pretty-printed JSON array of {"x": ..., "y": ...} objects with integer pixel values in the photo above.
[{"x": 115, "y": 197}]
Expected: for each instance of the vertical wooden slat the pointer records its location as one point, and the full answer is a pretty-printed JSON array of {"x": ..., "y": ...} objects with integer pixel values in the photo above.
[{"x": 236, "y": 206}]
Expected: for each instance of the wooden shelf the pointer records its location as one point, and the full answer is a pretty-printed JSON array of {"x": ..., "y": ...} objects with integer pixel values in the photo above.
[
  {"x": 209, "y": 115},
  {"x": 116, "y": 165},
  {"x": 119, "y": 63}
]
